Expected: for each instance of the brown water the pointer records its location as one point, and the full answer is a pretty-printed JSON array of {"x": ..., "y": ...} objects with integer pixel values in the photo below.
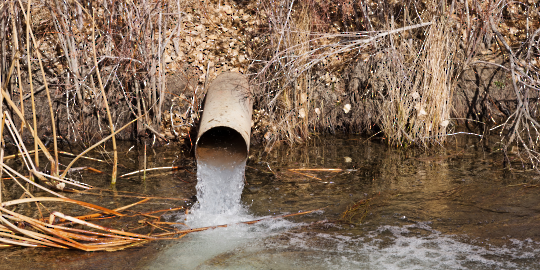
[{"x": 455, "y": 208}]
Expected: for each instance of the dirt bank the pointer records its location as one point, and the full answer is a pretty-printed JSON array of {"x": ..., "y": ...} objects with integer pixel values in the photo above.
[{"x": 415, "y": 72}]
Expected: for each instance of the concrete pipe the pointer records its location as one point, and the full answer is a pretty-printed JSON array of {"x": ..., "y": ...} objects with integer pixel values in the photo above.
[{"x": 225, "y": 125}]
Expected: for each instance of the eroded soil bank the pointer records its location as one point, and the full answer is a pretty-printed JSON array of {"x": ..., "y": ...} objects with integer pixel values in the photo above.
[{"x": 414, "y": 71}]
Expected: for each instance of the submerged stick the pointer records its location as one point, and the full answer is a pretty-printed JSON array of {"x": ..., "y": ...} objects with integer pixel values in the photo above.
[
  {"x": 89, "y": 158},
  {"x": 307, "y": 175},
  {"x": 318, "y": 170},
  {"x": 245, "y": 222},
  {"x": 298, "y": 171},
  {"x": 66, "y": 170},
  {"x": 151, "y": 169}
]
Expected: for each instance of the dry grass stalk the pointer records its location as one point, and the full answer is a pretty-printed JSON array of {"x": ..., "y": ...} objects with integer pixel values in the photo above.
[
  {"x": 15, "y": 40},
  {"x": 417, "y": 98},
  {"x": 54, "y": 167},
  {"x": 148, "y": 170},
  {"x": 521, "y": 127},
  {"x": 132, "y": 53},
  {"x": 306, "y": 54},
  {"x": 106, "y": 102},
  {"x": 30, "y": 82},
  {"x": 56, "y": 233},
  {"x": 95, "y": 145},
  {"x": 59, "y": 231}
]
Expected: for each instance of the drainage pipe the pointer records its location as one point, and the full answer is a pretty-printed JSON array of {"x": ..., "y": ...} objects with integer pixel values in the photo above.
[{"x": 225, "y": 125}]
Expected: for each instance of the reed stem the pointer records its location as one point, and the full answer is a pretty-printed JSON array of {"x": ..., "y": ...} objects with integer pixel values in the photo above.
[{"x": 111, "y": 124}]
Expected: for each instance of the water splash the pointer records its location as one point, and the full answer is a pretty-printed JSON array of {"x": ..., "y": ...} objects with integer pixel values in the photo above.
[
  {"x": 220, "y": 181},
  {"x": 219, "y": 190},
  {"x": 221, "y": 162}
]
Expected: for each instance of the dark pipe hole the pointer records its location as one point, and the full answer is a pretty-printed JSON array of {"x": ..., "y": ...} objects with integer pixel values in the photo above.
[{"x": 222, "y": 144}]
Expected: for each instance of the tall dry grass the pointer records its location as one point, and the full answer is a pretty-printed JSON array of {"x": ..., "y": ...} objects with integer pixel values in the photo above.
[
  {"x": 101, "y": 64},
  {"x": 130, "y": 40},
  {"x": 409, "y": 57},
  {"x": 86, "y": 70},
  {"x": 417, "y": 103}
]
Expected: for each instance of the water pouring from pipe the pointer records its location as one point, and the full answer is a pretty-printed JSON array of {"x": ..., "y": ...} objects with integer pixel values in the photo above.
[{"x": 221, "y": 150}]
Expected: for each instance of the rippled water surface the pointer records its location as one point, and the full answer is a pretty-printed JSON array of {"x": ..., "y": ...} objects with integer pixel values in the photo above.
[{"x": 383, "y": 208}]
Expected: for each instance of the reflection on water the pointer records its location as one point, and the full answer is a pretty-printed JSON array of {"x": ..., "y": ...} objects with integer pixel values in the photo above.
[{"x": 453, "y": 208}]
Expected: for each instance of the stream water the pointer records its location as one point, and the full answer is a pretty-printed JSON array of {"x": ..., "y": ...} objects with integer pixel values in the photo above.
[{"x": 383, "y": 208}]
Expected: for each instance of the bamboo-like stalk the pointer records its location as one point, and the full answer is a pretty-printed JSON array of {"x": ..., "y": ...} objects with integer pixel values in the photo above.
[
  {"x": 25, "y": 190},
  {"x": 111, "y": 124},
  {"x": 147, "y": 170},
  {"x": 54, "y": 166},
  {"x": 67, "y": 200},
  {"x": 4, "y": 86},
  {"x": 89, "y": 158},
  {"x": 86, "y": 217},
  {"x": 144, "y": 161},
  {"x": 29, "y": 64},
  {"x": 66, "y": 181},
  {"x": 21, "y": 241},
  {"x": 7, "y": 168},
  {"x": 17, "y": 63},
  {"x": 16, "y": 110},
  {"x": 43, "y": 238},
  {"x": 1, "y": 147},
  {"x": 19, "y": 143},
  {"x": 317, "y": 170}
]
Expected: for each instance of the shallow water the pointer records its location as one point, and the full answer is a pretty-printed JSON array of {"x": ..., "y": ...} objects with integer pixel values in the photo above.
[{"x": 452, "y": 209}]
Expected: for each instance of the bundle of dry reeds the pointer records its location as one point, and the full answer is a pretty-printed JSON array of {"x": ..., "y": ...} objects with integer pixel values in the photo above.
[{"x": 400, "y": 64}]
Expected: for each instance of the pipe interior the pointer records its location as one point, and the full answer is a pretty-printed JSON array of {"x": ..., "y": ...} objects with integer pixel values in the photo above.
[{"x": 221, "y": 145}]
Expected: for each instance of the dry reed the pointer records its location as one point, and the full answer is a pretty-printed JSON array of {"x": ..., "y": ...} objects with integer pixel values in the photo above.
[{"x": 405, "y": 60}]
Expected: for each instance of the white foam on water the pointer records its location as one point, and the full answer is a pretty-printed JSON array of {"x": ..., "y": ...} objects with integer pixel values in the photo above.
[
  {"x": 211, "y": 249},
  {"x": 394, "y": 247},
  {"x": 271, "y": 245},
  {"x": 219, "y": 189}
]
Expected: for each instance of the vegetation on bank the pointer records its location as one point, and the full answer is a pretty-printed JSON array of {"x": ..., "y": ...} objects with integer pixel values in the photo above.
[
  {"x": 391, "y": 68},
  {"x": 414, "y": 72},
  {"x": 316, "y": 66}
]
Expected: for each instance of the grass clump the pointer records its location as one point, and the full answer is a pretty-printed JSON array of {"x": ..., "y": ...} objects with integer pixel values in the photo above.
[{"x": 399, "y": 69}]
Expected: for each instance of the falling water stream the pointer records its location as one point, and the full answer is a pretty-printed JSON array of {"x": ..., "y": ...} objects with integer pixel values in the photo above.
[
  {"x": 219, "y": 189},
  {"x": 220, "y": 182}
]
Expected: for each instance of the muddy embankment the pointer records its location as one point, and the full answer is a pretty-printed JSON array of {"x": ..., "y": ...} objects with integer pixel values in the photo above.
[{"x": 413, "y": 73}]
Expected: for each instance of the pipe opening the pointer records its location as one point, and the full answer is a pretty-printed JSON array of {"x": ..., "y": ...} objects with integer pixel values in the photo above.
[{"x": 220, "y": 146}]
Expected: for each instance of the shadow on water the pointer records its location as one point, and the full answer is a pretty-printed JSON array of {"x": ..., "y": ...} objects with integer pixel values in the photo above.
[{"x": 385, "y": 209}]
